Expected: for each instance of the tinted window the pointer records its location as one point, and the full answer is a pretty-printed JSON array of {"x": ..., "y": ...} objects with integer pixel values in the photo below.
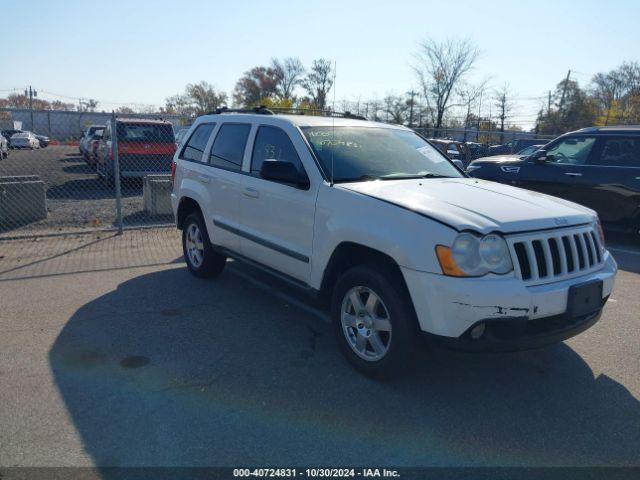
[
  {"x": 620, "y": 152},
  {"x": 571, "y": 150},
  {"x": 228, "y": 147},
  {"x": 273, "y": 144},
  {"x": 194, "y": 148},
  {"x": 145, "y": 132}
]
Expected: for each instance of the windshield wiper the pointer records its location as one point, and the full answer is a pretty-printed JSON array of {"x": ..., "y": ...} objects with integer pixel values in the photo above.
[
  {"x": 361, "y": 178},
  {"x": 406, "y": 176}
]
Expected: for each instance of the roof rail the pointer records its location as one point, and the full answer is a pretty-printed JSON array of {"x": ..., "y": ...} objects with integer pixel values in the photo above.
[{"x": 263, "y": 110}]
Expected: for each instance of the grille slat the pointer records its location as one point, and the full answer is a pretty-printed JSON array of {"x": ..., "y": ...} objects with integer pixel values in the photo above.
[
  {"x": 531, "y": 258},
  {"x": 596, "y": 246},
  {"x": 563, "y": 256},
  {"x": 592, "y": 250},
  {"x": 550, "y": 256}
]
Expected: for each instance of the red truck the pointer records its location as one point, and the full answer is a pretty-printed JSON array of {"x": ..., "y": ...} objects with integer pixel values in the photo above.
[{"x": 145, "y": 146}]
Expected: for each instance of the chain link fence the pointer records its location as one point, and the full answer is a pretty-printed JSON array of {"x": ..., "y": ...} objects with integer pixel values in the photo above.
[
  {"x": 74, "y": 172},
  {"x": 66, "y": 172}
]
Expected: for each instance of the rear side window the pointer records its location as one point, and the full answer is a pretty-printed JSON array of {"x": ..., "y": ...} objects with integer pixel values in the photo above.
[
  {"x": 228, "y": 147},
  {"x": 146, "y": 132},
  {"x": 273, "y": 143},
  {"x": 620, "y": 152},
  {"x": 194, "y": 149}
]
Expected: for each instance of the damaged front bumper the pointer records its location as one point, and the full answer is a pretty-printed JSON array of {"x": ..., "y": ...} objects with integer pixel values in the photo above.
[{"x": 515, "y": 316}]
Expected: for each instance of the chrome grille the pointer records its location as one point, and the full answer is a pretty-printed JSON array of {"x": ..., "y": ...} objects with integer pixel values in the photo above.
[{"x": 549, "y": 256}]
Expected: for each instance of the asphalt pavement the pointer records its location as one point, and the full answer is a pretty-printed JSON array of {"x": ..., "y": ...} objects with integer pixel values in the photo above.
[{"x": 149, "y": 366}]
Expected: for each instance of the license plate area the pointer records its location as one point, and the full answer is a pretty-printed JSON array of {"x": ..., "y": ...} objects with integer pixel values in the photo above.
[{"x": 584, "y": 298}]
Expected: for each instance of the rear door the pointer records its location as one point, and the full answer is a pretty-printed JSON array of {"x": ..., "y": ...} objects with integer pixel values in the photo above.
[
  {"x": 614, "y": 172},
  {"x": 278, "y": 218},
  {"x": 224, "y": 183}
]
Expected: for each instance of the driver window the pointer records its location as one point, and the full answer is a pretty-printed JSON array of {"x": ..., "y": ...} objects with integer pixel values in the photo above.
[
  {"x": 572, "y": 150},
  {"x": 273, "y": 143}
]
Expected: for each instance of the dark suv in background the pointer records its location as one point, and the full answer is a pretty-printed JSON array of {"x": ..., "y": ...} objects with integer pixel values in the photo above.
[{"x": 598, "y": 167}]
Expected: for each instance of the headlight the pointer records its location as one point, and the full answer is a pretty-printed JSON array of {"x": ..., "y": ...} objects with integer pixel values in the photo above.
[
  {"x": 471, "y": 168},
  {"x": 473, "y": 256}
]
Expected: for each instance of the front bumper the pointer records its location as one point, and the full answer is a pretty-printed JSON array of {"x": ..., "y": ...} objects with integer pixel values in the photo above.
[{"x": 516, "y": 316}]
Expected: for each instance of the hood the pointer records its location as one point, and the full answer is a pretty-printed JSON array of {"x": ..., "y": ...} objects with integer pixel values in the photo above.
[
  {"x": 474, "y": 204},
  {"x": 499, "y": 159}
]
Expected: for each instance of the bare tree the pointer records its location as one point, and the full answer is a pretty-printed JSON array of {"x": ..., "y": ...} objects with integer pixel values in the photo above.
[
  {"x": 318, "y": 82},
  {"x": 396, "y": 109},
  {"x": 288, "y": 74},
  {"x": 255, "y": 85},
  {"x": 440, "y": 67},
  {"x": 504, "y": 104},
  {"x": 197, "y": 99},
  {"x": 470, "y": 95}
]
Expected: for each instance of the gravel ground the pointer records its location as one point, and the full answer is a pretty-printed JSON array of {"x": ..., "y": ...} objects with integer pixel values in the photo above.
[{"x": 77, "y": 199}]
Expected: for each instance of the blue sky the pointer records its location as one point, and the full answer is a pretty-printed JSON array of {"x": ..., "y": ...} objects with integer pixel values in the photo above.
[{"x": 144, "y": 51}]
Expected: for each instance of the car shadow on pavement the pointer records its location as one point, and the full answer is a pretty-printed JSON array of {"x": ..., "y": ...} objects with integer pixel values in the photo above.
[{"x": 170, "y": 370}]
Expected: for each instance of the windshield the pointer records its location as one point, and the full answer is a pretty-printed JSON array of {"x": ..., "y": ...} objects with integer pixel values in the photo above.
[{"x": 369, "y": 153}]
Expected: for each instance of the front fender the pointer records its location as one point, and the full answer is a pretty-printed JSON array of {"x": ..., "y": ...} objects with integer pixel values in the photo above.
[{"x": 346, "y": 216}]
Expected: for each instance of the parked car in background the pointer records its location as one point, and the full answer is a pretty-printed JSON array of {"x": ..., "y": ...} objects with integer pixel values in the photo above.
[
  {"x": 513, "y": 146},
  {"x": 4, "y": 147},
  {"x": 145, "y": 147},
  {"x": 598, "y": 167},
  {"x": 24, "y": 140},
  {"x": 452, "y": 149},
  {"x": 92, "y": 150},
  {"x": 9, "y": 133},
  {"x": 476, "y": 150},
  {"x": 180, "y": 135},
  {"x": 86, "y": 137},
  {"x": 43, "y": 140}
]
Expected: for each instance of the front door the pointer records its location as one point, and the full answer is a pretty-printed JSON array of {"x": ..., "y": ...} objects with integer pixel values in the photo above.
[
  {"x": 564, "y": 174},
  {"x": 277, "y": 218}
]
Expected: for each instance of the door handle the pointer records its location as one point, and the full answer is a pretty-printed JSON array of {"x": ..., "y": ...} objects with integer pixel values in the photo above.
[
  {"x": 251, "y": 192},
  {"x": 573, "y": 174},
  {"x": 204, "y": 178}
]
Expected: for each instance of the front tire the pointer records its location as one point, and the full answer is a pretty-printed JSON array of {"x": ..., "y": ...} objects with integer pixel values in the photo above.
[
  {"x": 374, "y": 321},
  {"x": 202, "y": 260}
]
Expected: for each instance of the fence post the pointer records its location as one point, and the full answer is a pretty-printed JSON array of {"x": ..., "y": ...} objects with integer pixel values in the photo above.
[{"x": 116, "y": 171}]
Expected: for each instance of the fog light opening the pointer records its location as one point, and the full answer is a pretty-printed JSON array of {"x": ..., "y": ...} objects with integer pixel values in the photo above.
[{"x": 477, "y": 331}]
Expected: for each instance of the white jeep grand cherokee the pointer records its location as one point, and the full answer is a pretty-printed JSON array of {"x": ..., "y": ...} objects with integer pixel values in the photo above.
[{"x": 376, "y": 222}]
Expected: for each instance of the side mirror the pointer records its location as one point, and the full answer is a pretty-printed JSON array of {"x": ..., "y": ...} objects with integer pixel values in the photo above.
[
  {"x": 458, "y": 163},
  {"x": 541, "y": 156},
  {"x": 284, "y": 172}
]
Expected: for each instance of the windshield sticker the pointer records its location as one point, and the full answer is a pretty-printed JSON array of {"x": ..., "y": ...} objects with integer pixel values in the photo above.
[{"x": 427, "y": 152}]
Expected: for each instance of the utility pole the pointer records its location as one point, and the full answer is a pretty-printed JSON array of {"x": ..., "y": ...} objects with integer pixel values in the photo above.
[
  {"x": 412, "y": 94},
  {"x": 564, "y": 90},
  {"x": 549, "y": 105},
  {"x": 479, "y": 107},
  {"x": 31, "y": 93}
]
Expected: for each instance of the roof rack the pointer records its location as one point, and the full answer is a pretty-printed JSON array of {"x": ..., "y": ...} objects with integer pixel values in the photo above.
[{"x": 263, "y": 110}]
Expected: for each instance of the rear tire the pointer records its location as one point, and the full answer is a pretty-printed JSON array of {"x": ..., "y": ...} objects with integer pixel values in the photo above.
[
  {"x": 202, "y": 260},
  {"x": 374, "y": 320}
]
